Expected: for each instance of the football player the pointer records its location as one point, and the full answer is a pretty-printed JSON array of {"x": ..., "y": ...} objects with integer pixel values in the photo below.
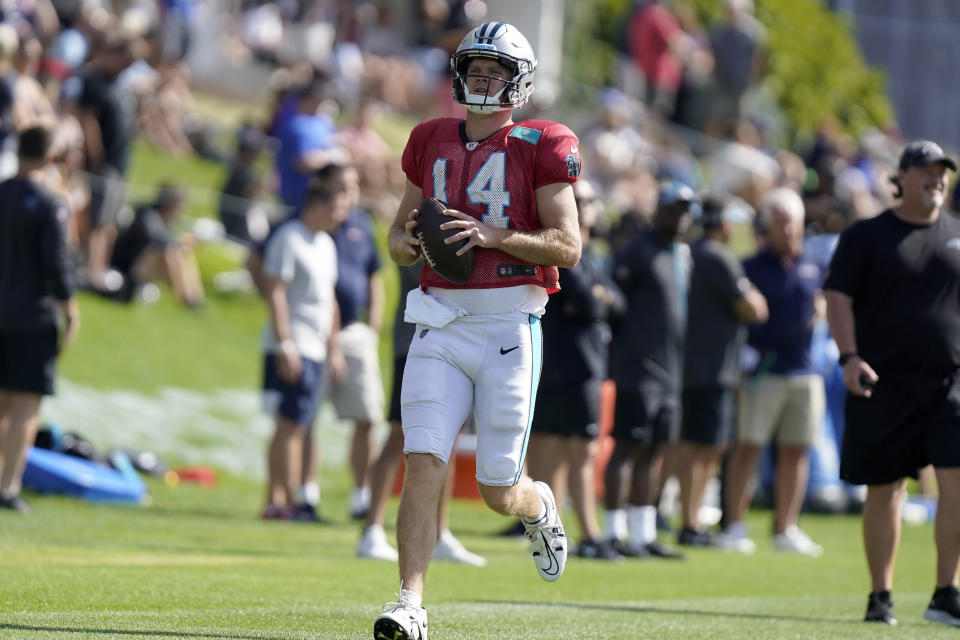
[{"x": 508, "y": 188}]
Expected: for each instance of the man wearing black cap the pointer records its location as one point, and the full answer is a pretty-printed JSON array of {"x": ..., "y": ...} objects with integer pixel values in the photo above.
[
  {"x": 893, "y": 304},
  {"x": 653, "y": 272}
]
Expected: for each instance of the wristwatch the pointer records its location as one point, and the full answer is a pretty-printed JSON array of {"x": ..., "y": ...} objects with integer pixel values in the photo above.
[{"x": 845, "y": 357}]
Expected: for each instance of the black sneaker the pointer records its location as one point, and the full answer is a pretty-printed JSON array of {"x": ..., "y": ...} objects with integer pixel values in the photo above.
[
  {"x": 598, "y": 550},
  {"x": 663, "y": 525},
  {"x": 15, "y": 503},
  {"x": 627, "y": 550},
  {"x": 657, "y": 550},
  {"x": 880, "y": 608},
  {"x": 306, "y": 513},
  {"x": 693, "y": 538},
  {"x": 944, "y": 606}
]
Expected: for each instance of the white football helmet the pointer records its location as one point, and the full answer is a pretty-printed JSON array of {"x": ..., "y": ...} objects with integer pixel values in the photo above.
[{"x": 504, "y": 43}]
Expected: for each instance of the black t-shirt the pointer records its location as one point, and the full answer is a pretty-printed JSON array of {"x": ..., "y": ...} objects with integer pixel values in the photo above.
[
  {"x": 35, "y": 268},
  {"x": 147, "y": 230},
  {"x": 904, "y": 280},
  {"x": 714, "y": 333},
  {"x": 648, "y": 342},
  {"x": 576, "y": 336},
  {"x": 115, "y": 108}
]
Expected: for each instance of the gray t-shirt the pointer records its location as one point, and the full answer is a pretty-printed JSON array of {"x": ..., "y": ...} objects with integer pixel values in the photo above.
[{"x": 307, "y": 263}]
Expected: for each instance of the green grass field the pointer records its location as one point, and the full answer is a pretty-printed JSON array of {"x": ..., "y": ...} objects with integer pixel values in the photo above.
[{"x": 197, "y": 563}]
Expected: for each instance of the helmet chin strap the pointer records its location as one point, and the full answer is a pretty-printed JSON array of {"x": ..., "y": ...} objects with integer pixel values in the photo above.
[{"x": 482, "y": 103}]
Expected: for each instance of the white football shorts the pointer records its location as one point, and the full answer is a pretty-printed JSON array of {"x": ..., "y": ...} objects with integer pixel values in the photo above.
[{"x": 485, "y": 364}]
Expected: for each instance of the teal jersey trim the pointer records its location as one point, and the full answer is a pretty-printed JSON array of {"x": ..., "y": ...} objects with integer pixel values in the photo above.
[
  {"x": 536, "y": 366},
  {"x": 527, "y": 135}
]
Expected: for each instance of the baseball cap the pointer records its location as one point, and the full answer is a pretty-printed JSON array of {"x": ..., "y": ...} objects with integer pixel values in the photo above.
[
  {"x": 675, "y": 193},
  {"x": 923, "y": 153}
]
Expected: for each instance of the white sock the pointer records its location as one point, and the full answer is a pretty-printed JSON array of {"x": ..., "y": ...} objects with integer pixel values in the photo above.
[
  {"x": 410, "y": 599},
  {"x": 615, "y": 524},
  {"x": 360, "y": 498},
  {"x": 310, "y": 494},
  {"x": 642, "y": 522}
]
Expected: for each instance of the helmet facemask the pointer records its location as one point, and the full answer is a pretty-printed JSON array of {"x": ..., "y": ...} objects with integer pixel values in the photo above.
[
  {"x": 514, "y": 90},
  {"x": 507, "y": 96}
]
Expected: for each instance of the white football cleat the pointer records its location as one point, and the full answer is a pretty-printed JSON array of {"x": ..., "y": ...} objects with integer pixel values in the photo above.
[
  {"x": 373, "y": 544},
  {"x": 449, "y": 549},
  {"x": 548, "y": 542},
  {"x": 400, "y": 622}
]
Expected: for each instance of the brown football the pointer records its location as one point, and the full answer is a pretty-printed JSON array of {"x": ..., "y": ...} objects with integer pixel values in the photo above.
[{"x": 441, "y": 257}]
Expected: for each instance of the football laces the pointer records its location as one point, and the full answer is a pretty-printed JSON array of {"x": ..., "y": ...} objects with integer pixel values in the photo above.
[{"x": 426, "y": 252}]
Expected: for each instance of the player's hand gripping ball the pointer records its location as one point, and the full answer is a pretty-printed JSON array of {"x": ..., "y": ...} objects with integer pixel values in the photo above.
[{"x": 442, "y": 257}]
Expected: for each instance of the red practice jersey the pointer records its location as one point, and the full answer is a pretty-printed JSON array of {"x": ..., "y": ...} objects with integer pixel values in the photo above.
[{"x": 495, "y": 181}]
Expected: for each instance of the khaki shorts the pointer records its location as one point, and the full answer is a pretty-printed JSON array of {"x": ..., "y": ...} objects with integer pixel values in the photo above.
[
  {"x": 359, "y": 396},
  {"x": 787, "y": 408}
]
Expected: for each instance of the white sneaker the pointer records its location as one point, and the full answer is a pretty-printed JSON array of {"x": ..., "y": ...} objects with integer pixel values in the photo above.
[
  {"x": 794, "y": 539},
  {"x": 373, "y": 544},
  {"x": 734, "y": 538},
  {"x": 548, "y": 542},
  {"x": 400, "y": 622},
  {"x": 448, "y": 548}
]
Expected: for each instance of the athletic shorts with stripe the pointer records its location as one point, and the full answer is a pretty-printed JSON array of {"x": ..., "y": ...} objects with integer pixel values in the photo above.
[{"x": 485, "y": 364}]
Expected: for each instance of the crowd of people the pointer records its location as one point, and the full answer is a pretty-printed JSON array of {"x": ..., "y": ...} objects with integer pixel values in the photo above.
[{"x": 714, "y": 360}]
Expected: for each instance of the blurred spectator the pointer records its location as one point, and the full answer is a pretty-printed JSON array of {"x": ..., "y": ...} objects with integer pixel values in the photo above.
[
  {"x": 106, "y": 111},
  {"x": 358, "y": 396},
  {"x": 177, "y": 18},
  {"x": 65, "y": 175},
  {"x": 31, "y": 106},
  {"x": 693, "y": 101},
  {"x": 738, "y": 43},
  {"x": 38, "y": 315},
  {"x": 166, "y": 106},
  {"x": 146, "y": 250},
  {"x": 576, "y": 336},
  {"x": 9, "y": 44},
  {"x": 739, "y": 167},
  {"x": 307, "y": 142},
  {"x": 243, "y": 216},
  {"x": 613, "y": 143},
  {"x": 369, "y": 152},
  {"x": 722, "y": 302},
  {"x": 783, "y": 399},
  {"x": 299, "y": 271},
  {"x": 647, "y": 356},
  {"x": 658, "y": 47}
]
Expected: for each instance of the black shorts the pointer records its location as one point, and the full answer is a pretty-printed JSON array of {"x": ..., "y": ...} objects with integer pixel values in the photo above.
[
  {"x": 709, "y": 415},
  {"x": 570, "y": 412},
  {"x": 28, "y": 360},
  {"x": 647, "y": 416},
  {"x": 906, "y": 425},
  {"x": 398, "y": 364}
]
